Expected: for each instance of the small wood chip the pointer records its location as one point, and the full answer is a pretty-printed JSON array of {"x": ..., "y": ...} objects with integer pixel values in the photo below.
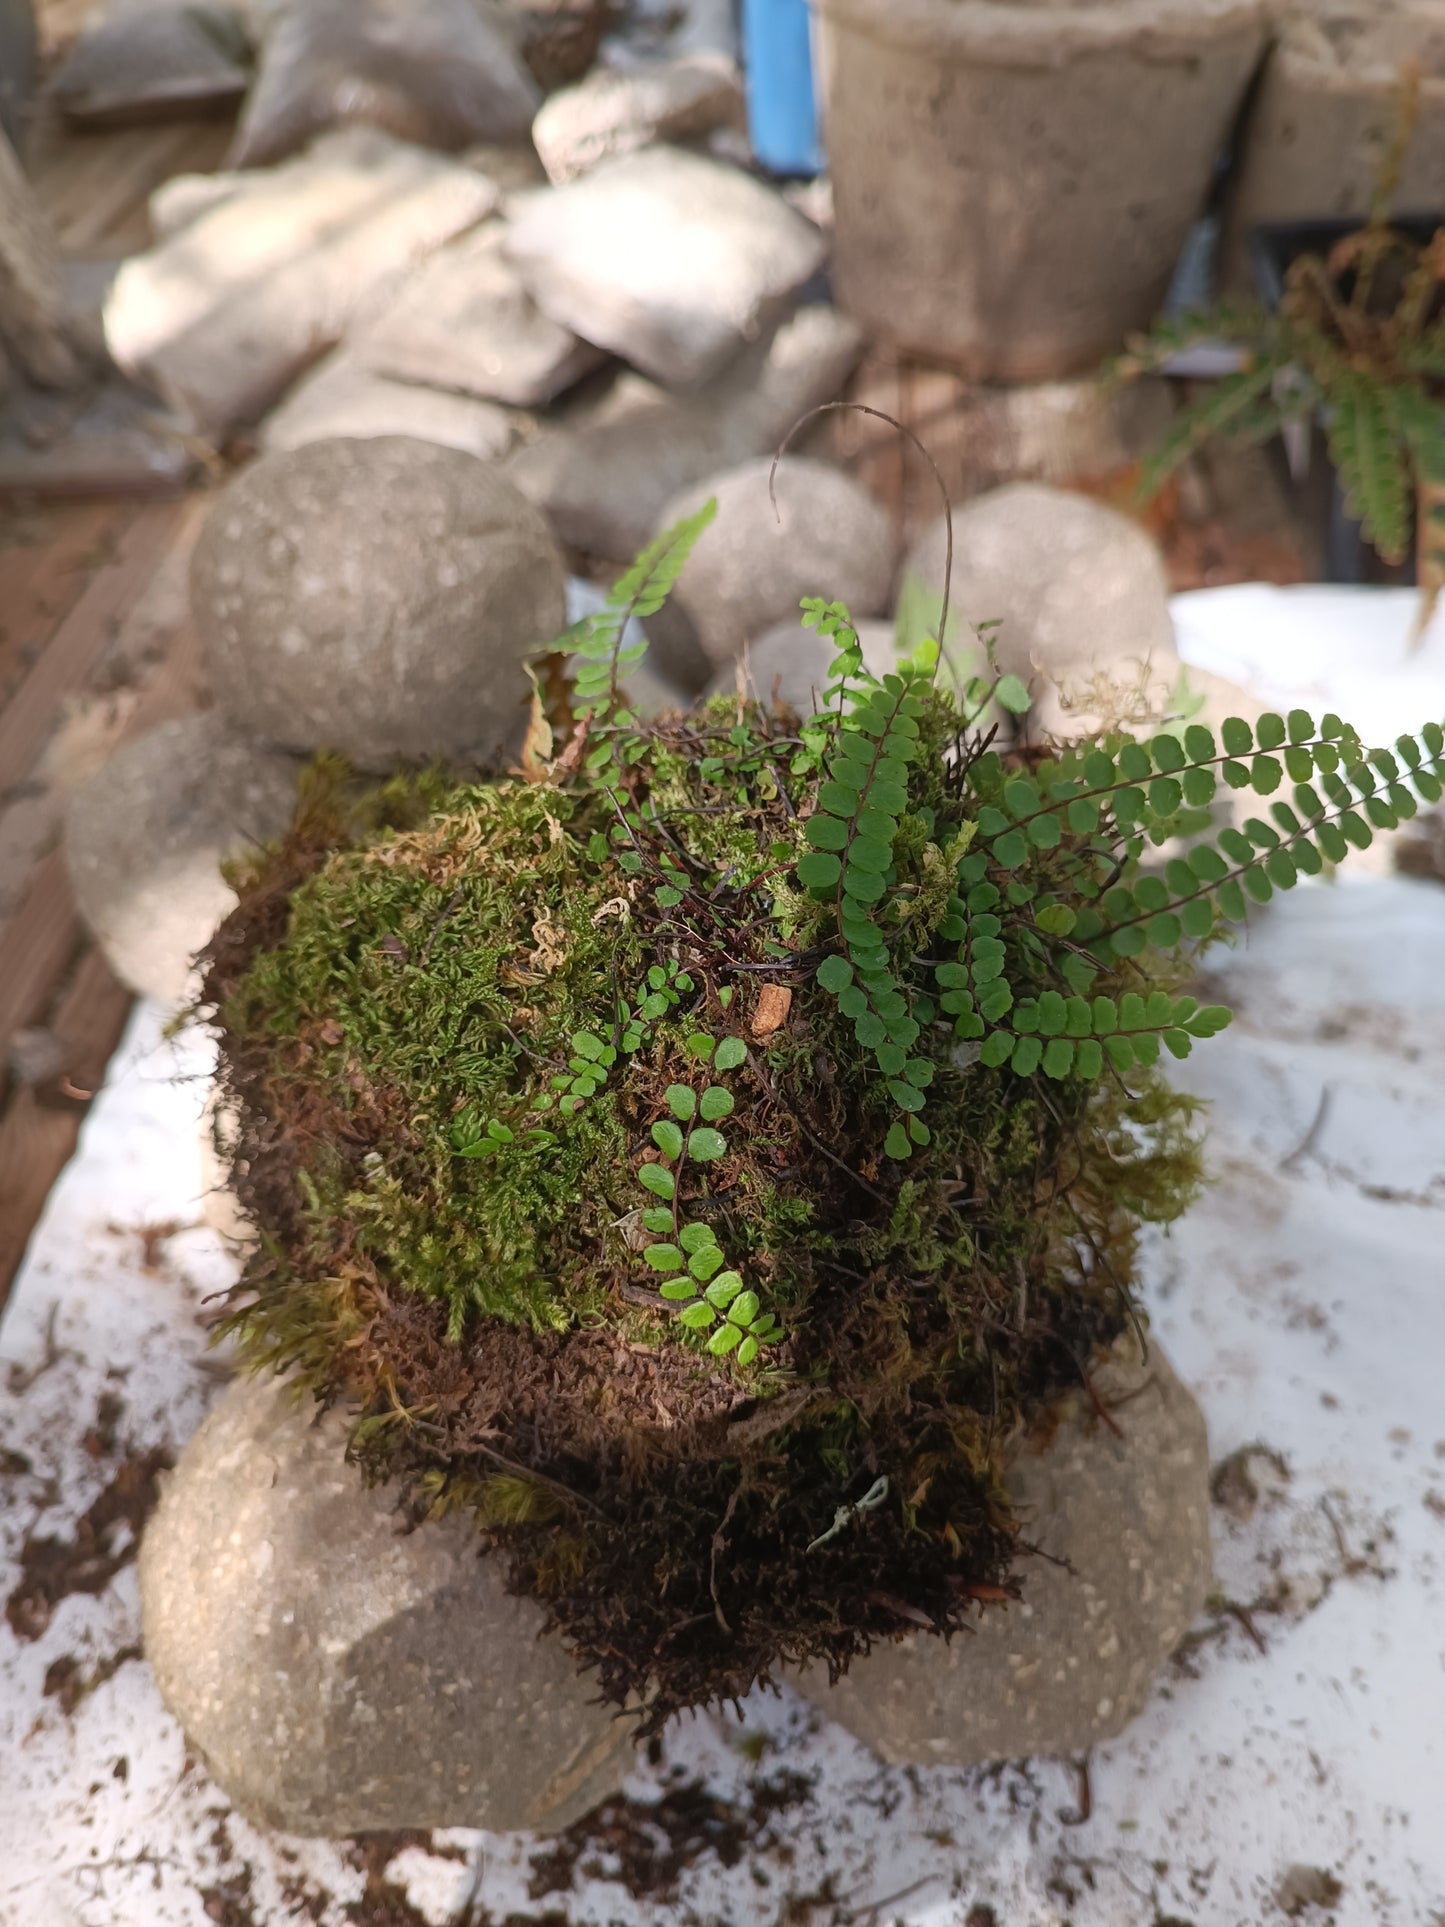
[{"x": 774, "y": 1003}]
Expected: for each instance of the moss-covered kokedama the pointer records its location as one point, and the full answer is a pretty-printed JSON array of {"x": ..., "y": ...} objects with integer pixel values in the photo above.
[{"x": 699, "y": 1155}]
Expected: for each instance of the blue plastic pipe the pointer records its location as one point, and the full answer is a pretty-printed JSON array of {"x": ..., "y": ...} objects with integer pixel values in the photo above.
[{"x": 782, "y": 110}]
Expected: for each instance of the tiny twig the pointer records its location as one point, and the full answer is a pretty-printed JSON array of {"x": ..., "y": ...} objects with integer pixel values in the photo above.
[
  {"x": 868, "y": 1910},
  {"x": 862, "y": 408},
  {"x": 538, "y": 1057},
  {"x": 1051, "y": 1558},
  {"x": 719, "y": 1541},
  {"x": 844, "y": 1515},
  {"x": 448, "y": 908},
  {"x": 1310, "y": 1141},
  {"x": 817, "y": 1143},
  {"x": 1246, "y": 1619},
  {"x": 563, "y": 1492},
  {"x": 1086, "y": 1796}
]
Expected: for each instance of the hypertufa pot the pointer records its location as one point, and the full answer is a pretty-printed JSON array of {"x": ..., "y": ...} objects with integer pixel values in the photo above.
[
  {"x": 1013, "y": 183},
  {"x": 339, "y": 1673}
]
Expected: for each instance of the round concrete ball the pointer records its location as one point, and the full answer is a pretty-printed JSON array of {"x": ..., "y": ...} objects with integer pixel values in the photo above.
[
  {"x": 376, "y": 597},
  {"x": 1077, "y": 587},
  {"x": 145, "y": 838},
  {"x": 790, "y": 664},
  {"x": 751, "y": 568},
  {"x": 339, "y": 1673}
]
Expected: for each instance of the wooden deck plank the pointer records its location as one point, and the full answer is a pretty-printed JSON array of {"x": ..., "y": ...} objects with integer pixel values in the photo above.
[
  {"x": 150, "y": 673},
  {"x": 95, "y": 646},
  {"x": 46, "y": 559},
  {"x": 36, "y": 949},
  {"x": 94, "y": 187},
  {"x": 38, "y": 1132},
  {"x": 74, "y": 652}
]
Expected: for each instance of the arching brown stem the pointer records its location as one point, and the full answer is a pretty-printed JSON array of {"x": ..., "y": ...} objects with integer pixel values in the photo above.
[{"x": 864, "y": 408}]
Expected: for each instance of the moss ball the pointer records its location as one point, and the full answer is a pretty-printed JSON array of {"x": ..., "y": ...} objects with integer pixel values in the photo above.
[{"x": 653, "y": 1197}]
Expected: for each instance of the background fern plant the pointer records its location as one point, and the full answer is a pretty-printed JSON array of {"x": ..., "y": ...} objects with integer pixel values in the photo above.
[
  {"x": 1358, "y": 342},
  {"x": 698, "y": 1153}
]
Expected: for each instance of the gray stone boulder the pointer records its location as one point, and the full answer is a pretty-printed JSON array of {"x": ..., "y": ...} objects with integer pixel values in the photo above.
[
  {"x": 341, "y": 397},
  {"x": 142, "y": 64},
  {"x": 440, "y": 73},
  {"x": 376, "y": 597},
  {"x": 668, "y": 259},
  {"x": 145, "y": 838},
  {"x": 222, "y": 315},
  {"x": 558, "y": 39},
  {"x": 606, "y": 468},
  {"x": 615, "y": 111},
  {"x": 1073, "y": 1661},
  {"x": 338, "y": 1673},
  {"x": 1081, "y": 593},
  {"x": 465, "y": 321},
  {"x": 17, "y": 77},
  {"x": 789, "y": 664},
  {"x": 750, "y": 569}
]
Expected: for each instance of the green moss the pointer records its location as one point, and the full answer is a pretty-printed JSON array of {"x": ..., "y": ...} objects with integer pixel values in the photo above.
[
  {"x": 398, "y": 996},
  {"x": 700, "y": 1161}
]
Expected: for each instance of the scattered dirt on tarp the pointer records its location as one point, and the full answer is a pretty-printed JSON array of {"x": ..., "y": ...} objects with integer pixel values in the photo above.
[
  {"x": 1232, "y": 1482},
  {"x": 66, "y": 1679},
  {"x": 382, "y": 1902},
  {"x": 104, "y": 1541},
  {"x": 646, "y": 1848},
  {"x": 1307, "y": 1891},
  {"x": 228, "y": 1901},
  {"x": 101, "y": 1439}
]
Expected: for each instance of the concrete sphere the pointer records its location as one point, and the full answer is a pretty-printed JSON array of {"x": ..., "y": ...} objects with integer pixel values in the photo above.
[
  {"x": 751, "y": 567},
  {"x": 145, "y": 838},
  {"x": 376, "y": 597}
]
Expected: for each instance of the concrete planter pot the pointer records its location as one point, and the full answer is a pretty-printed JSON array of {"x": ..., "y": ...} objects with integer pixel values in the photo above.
[
  {"x": 339, "y": 1673},
  {"x": 1324, "y": 115},
  {"x": 1013, "y": 183}
]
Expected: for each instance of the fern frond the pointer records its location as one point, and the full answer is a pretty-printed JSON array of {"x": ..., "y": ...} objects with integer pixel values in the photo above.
[
  {"x": 648, "y": 583},
  {"x": 1244, "y": 322},
  {"x": 1237, "y": 403},
  {"x": 1421, "y": 422},
  {"x": 597, "y": 640},
  {"x": 849, "y": 860},
  {"x": 1367, "y": 448},
  {"x": 1073, "y": 830},
  {"x": 1424, "y": 355}
]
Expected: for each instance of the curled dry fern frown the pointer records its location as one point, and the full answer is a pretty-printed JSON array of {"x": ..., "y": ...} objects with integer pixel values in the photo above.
[{"x": 699, "y": 1157}]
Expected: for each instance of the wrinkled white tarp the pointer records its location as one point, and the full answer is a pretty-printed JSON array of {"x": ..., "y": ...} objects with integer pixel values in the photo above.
[{"x": 1305, "y": 1302}]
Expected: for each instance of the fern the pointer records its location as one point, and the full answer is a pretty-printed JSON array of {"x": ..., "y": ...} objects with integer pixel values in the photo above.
[
  {"x": 849, "y": 861},
  {"x": 597, "y": 641},
  {"x": 1423, "y": 429},
  {"x": 1368, "y": 450},
  {"x": 1072, "y": 831},
  {"x": 1173, "y": 335},
  {"x": 705, "y": 1296},
  {"x": 1355, "y": 338},
  {"x": 1233, "y": 406}
]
